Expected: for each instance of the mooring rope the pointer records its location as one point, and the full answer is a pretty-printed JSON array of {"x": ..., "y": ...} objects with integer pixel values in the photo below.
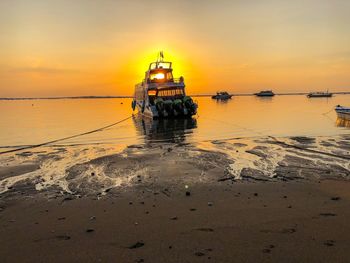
[
  {"x": 325, "y": 113},
  {"x": 65, "y": 138}
]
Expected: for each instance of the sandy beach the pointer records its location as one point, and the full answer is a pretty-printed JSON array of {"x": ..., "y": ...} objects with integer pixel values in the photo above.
[
  {"x": 174, "y": 131},
  {"x": 237, "y": 200}
]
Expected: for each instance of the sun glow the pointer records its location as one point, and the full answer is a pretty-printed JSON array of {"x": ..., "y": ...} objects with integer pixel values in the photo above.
[
  {"x": 157, "y": 76},
  {"x": 99, "y": 50},
  {"x": 136, "y": 63}
]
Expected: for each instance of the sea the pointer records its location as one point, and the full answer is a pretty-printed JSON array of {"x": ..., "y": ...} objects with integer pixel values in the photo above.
[{"x": 36, "y": 121}]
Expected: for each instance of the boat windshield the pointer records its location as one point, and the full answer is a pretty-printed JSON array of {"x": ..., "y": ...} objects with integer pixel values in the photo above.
[
  {"x": 161, "y": 76},
  {"x": 157, "y": 76},
  {"x": 155, "y": 65}
]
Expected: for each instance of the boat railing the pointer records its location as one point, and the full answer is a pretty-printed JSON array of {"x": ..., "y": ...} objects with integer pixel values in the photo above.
[
  {"x": 172, "y": 82},
  {"x": 178, "y": 80}
]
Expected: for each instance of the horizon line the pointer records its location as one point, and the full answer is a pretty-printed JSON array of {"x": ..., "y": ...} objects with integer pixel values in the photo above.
[{"x": 128, "y": 96}]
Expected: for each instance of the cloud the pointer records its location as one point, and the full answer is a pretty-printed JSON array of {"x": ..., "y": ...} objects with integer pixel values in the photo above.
[{"x": 44, "y": 70}]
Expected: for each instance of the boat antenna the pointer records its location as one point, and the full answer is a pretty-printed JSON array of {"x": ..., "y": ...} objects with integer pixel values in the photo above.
[{"x": 160, "y": 57}]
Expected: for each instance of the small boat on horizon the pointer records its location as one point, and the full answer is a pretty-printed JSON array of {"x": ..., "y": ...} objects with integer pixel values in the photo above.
[
  {"x": 160, "y": 95},
  {"x": 265, "y": 93},
  {"x": 221, "y": 95},
  {"x": 319, "y": 94}
]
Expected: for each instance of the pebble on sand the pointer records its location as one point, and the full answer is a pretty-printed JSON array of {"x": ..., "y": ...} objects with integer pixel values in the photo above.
[
  {"x": 329, "y": 243},
  {"x": 336, "y": 198},
  {"x": 199, "y": 254},
  {"x": 138, "y": 244},
  {"x": 327, "y": 214}
]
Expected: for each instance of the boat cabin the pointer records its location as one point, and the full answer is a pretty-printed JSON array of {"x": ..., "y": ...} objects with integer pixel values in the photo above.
[
  {"x": 160, "y": 83},
  {"x": 159, "y": 72}
]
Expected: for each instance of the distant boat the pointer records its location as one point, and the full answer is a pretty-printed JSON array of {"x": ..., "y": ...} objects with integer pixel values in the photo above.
[
  {"x": 223, "y": 95},
  {"x": 265, "y": 93},
  {"x": 343, "y": 112},
  {"x": 319, "y": 95}
]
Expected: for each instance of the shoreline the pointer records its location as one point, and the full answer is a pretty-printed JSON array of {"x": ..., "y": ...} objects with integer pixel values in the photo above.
[{"x": 73, "y": 168}]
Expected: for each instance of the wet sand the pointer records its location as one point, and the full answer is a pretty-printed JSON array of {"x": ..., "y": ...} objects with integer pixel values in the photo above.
[
  {"x": 232, "y": 222},
  {"x": 238, "y": 200}
]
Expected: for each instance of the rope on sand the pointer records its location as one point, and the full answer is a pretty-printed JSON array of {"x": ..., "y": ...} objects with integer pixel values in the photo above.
[{"x": 65, "y": 138}]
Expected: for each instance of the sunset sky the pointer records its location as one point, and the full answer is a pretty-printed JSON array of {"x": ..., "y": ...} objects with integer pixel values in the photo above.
[{"x": 72, "y": 48}]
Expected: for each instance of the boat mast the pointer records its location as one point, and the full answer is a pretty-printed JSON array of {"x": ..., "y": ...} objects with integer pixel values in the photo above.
[{"x": 160, "y": 58}]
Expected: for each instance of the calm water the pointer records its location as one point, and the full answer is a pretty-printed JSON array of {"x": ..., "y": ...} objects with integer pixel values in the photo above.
[{"x": 36, "y": 121}]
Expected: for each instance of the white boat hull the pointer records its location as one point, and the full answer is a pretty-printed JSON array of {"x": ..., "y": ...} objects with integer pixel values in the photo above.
[
  {"x": 343, "y": 112},
  {"x": 146, "y": 111}
]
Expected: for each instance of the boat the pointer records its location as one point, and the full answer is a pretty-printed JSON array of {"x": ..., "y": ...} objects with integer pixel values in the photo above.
[
  {"x": 343, "y": 112},
  {"x": 221, "y": 95},
  {"x": 160, "y": 95},
  {"x": 265, "y": 93},
  {"x": 319, "y": 95}
]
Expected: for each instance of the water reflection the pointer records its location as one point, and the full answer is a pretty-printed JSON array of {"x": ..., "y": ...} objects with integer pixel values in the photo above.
[
  {"x": 218, "y": 102},
  {"x": 343, "y": 122},
  {"x": 164, "y": 130},
  {"x": 267, "y": 99}
]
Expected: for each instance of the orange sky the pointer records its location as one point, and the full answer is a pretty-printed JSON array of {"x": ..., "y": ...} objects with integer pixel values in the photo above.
[{"x": 72, "y": 48}]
